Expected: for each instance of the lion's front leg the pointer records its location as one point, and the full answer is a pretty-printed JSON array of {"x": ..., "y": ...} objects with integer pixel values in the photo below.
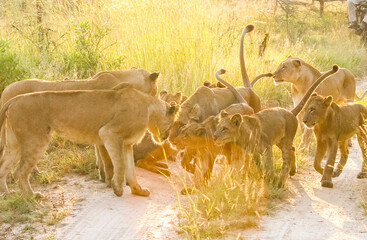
[
  {"x": 306, "y": 133},
  {"x": 329, "y": 167},
  {"x": 320, "y": 153},
  {"x": 344, "y": 152},
  {"x": 128, "y": 158}
]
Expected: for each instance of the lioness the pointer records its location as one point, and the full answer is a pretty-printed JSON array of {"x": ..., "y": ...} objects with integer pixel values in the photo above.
[
  {"x": 333, "y": 125},
  {"x": 341, "y": 86},
  {"x": 139, "y": 78},
  {"x": 116, "y": 119},
  {"x": 273, "y": 126}
]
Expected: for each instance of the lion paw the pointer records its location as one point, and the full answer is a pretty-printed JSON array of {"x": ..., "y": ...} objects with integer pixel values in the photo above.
[
  {"x": 292, "y": 172},
  {"x": 362, "y": 175},
  {"x": 118, "y": 190},
  {"x": 326, "y": 183},
  {"x": 140, "y": 192},
  {"x": 337, "y": 172}
]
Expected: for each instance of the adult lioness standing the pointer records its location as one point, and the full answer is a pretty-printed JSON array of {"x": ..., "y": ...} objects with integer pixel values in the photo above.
[
  {"x": 116, "y": 119},
  {"x": 139, "y": 78},
  {"x": 341, "y": 86}
]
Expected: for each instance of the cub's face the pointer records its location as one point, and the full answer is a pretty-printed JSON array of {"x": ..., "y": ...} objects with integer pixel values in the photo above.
[
  {"x": 228, "y": 128},
  {"x": 316, "y": 109},
  {"x": 172, "y": 97},
  {"x": 287, "y": 71}
]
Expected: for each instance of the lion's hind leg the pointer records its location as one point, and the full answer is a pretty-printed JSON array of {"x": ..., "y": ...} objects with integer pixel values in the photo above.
[
  {"x": 10, "y": 156},
  {"x": 31, "y": 152}
]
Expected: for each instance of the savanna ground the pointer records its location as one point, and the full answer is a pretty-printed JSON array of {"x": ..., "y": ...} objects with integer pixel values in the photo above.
[{"x": 187, "y": 41}]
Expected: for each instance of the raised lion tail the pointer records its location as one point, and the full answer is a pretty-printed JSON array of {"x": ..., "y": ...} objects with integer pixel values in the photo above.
[
  {"x": 237, "y": 95},
  {"x": 260, "y": 76},
  {"x": 302, "y": 103},
  {"x": 361, "y": 97}
]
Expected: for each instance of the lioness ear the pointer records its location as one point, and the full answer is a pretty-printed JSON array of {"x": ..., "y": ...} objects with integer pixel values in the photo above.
[
  {"x": 174, "y": 108},
  {"x": 183, "y": 98},
  {"x": 154, "y": 76},
  {"x": 200, "y": 132},
  {"x": 223, "y": 114},
  {"x": 296, "y": 62},
  {"x": 162, "y": 93},
  {"x": 328, "y": 100},
  {"x": 236, "y": 120}
]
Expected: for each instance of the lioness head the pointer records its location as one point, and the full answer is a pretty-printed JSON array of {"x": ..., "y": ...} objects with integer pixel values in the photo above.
[
  {"x": 288, "y": 71},
  {"x": 177, "y": 97},
  {"x": 163, "y": 125},
  {"x": 316, "y": 109}
]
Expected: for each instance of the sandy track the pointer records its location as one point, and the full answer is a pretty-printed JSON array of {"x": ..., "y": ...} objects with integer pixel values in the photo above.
[
  {"x": 102, "y": 215},
  {"x": 314, "y": 212}
]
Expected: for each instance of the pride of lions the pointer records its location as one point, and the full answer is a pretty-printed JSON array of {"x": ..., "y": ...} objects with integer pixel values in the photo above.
[{"x": 119, "y": 113}]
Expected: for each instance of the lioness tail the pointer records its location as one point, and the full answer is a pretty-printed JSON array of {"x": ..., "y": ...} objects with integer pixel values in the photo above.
[
  {"x": 238, "y": 96},
  {"x": 302, "y": 103},
  {"x": 259, "y": 77},
  {"x": 245, "y": 79}
]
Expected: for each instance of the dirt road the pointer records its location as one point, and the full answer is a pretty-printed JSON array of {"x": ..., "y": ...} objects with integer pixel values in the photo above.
[
  {"x": 102, "y": 215},
  {"x": 313, "y": 212}
]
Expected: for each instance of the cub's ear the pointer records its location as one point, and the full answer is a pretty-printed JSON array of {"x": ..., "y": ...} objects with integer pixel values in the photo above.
[
  {"x": 154, "y": 76},
  {"x": 314, "y": 95},
  {"x": 133, "y": 68},
  {"x": 174, "y": 108},
  {"x": 178, "y": 94},
  {"x": 183, "y": 98},
  {"x": 328, "y": 100},
  {"x": 236, "y": 119},
  {"x": 206, "y": 83},
  {"x": 296, "y": 62},
  {"x": 223, "y": 114},
  {"x": 200, "y": 131},
  {"x": 163, "y": 93}
]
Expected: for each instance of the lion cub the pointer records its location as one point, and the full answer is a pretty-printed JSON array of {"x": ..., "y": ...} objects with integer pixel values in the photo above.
[
  {"x": 333, "y": 125},
  {"x": 116, "y": 118},
  {"x": 259, "y": 132}
]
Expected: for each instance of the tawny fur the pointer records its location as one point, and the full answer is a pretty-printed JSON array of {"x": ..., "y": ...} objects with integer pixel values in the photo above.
[
  {"x": 341, "y": 86},
  {"x": 139, "y": 78},
  {"x": 115, "y": 119},
  {"x": 333, "y": 125},
  {"x": 259, "y": 132}
]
